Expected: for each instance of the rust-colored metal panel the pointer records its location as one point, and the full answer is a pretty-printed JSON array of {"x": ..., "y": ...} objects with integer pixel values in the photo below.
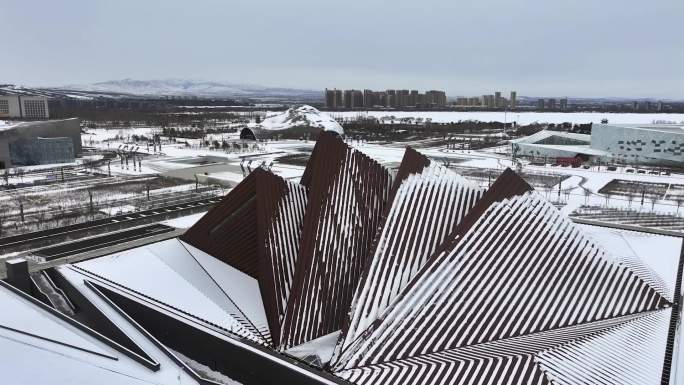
[
  {"x": 524, "y": 269},
  {"x": 256, "y": 229},
  {"x": 428, "y": 205},
  {"x": 507, "y": 185},
  {"x": 348, "y": 192},
  {"x": 228, "y": 231},
  {"x": 413, "y": 162}
]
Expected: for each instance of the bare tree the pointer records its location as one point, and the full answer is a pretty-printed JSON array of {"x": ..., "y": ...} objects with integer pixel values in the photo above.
[{"x": 587, "y": 193}]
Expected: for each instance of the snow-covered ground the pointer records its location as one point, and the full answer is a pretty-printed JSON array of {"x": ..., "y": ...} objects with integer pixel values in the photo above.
[
  {"x": 519, "y": 117},
  {"x": 658, "y": 252},
  {"x": 200, "y": 159},
  {"x": 93, "y": 135},
  {"x": 6, "y": 124}
]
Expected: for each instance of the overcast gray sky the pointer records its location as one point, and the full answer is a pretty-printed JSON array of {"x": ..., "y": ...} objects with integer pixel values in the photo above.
[{"x": 538, "y": 47}]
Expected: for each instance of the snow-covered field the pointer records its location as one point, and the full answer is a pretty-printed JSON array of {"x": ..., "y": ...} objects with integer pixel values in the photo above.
[
  {"x": 95, "y": 135},
  {"x": 5, "y": 124},
  {"x": 179, "y": 156},
  {"x": 658, "y": 252},
  {"x": 519, "y": 117}
]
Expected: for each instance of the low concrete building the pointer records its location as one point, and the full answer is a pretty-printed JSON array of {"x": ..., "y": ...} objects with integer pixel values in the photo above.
[{"x": 41, "y": 142}]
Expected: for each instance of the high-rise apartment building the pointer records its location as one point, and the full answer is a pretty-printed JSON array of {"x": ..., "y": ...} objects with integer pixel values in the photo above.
[
  {"x": 367, "y": 98},
  {"x": 391, "y": 98},
  {"x": 348, "y": 98},
  {"x": 413, "y": 98},
  {"x": 357, "y": 99},
  {"x": 488, "y": 101},
  {"x": 330, "y": 101},
  {"x": 333, "y": 98},
  {"x": 402, "y": 98},
  {"x": 551, "y": 104},
  {"x": 381, "y": 98},
  {"x": 513, "y": 102},
  {"x": 540, "y": 104},
  {"x": 435, "y": 98},
  {"x": 420, "y": 100},
  {"x": 353, "y": 99},
  {"x": 475, "y": 101}
]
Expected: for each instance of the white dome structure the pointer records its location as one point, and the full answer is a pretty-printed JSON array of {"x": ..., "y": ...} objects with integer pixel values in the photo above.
[{"x": 294, "y": 123}]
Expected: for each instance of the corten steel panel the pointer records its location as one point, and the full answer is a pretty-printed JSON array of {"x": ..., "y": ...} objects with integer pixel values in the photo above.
[
  {"x": 413, "y": 162},
  {"x": 572, "y": 355},
  {"x": 427, "y": 207},
  {"x": 280, "y": 212},
  {"x": 348, "y": 192},
  {"x": 321, "y": 158},
  {"x": 256, "y": 229},
  {"x": 507, "y": 185},
  {"x": 229, "y": 230},
  {"x": 523, "y": 269}
]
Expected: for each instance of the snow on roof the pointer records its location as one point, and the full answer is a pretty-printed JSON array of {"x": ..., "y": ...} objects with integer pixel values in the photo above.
[
  {"x": 544, "y": 134},
  {"x": 243, "y": 289},
  {"x": 586, "y": 150},
  {"x": 46, "y": 349},
  {"x": 659, "y": 252},
  {"x": 21, "y": 315},
  {"x": 303, "y": 115},
  {"x": 521, "y": 286},
  {"x": 507, "y": 248},
  {"x": 421, "y": 198},
  {"x": 169, "y": 273},
  {"x": 666, "y": 128}
]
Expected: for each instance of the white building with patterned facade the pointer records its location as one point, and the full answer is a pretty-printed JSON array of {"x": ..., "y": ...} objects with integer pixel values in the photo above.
[
  {"x": 643, "y": 144},
  {"x": 24, "y": 107},
  {"x": 651, "y": 144}
]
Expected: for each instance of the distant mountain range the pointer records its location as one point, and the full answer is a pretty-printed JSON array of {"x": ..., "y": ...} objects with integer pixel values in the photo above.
[
  {"x": 169, "y": 87},
  {"x": 218, "y": 89}
]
